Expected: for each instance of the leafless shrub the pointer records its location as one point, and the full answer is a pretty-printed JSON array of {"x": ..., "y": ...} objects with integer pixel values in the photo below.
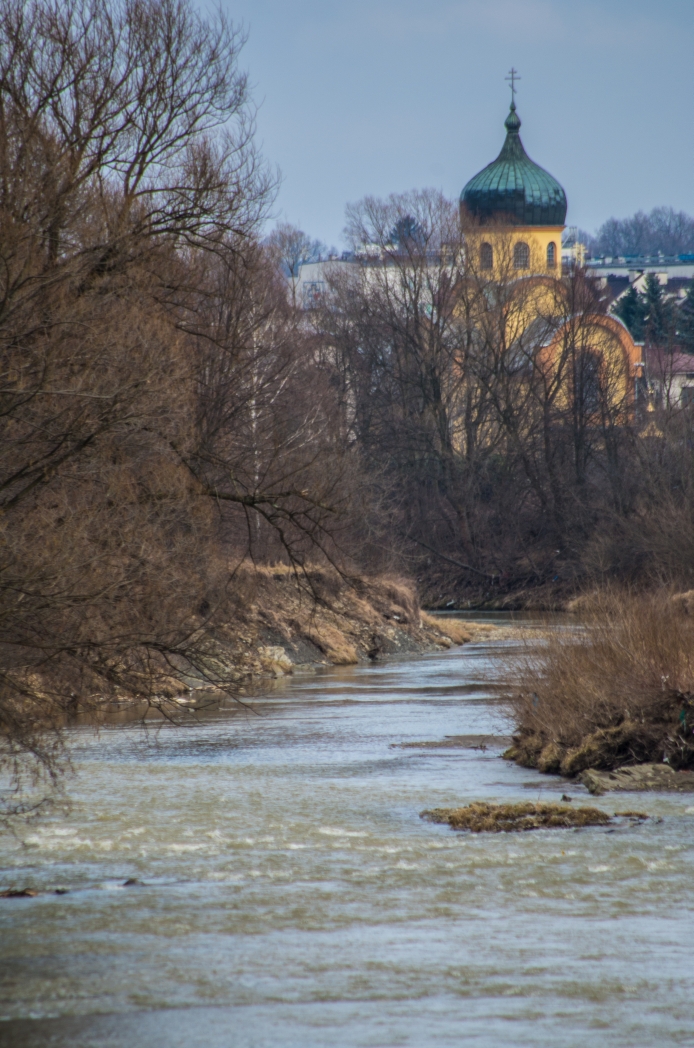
[{"x": 618, "y": 689}]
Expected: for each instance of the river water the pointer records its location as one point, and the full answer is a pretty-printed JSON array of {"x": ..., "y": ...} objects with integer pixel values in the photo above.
[{"x": 292, "y": 896}]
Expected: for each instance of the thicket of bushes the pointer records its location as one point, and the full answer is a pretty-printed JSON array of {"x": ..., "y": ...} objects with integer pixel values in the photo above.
[
  {"x": 619, "y": 689},
  {"x": 163, "y": 415}
]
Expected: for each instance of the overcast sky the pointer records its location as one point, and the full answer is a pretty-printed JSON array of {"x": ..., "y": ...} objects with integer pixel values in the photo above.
[{"x": 365, "y": 97}]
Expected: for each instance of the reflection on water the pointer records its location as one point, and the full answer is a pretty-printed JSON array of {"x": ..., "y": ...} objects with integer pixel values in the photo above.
[{"x": 291, "y": 895}]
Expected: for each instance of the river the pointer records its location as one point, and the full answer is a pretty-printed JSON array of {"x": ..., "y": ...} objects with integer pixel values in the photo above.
[{"x": 292, "y": 896}]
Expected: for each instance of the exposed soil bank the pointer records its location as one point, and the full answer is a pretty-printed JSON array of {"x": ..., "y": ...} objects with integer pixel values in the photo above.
[
  {"x": 287, "y": 622},
  {"x": 664, "y": 736},
  {"x": 282, "y": 621}
]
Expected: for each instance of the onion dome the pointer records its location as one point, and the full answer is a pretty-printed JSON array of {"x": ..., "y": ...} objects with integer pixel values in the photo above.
[{"x": 515, "y": 188}]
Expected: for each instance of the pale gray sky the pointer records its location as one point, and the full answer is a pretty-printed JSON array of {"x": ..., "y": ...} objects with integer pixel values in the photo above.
[{"x": 376, "y": 96}]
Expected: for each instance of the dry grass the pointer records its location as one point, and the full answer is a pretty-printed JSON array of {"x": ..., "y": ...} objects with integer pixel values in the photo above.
[
  {"x": 481, "y": 817},
  {"x": 618, "y": 691},
  {"x": 399, "y": 592},
  {"x": 345, "y": 618},
  {"x": 457, "y": 630},
  {"x": 332, "y": 642}
]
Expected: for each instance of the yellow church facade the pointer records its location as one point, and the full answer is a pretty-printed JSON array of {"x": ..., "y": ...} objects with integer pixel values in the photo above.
[
  {"x": 518, "y": 250},
  {"x": 513, "y": 213}
]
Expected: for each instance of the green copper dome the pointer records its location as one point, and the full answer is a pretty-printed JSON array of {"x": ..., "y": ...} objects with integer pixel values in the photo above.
[{"x": 514, "y": 186}]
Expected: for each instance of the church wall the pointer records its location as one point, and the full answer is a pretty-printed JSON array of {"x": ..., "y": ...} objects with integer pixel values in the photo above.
[{"x": 503, "y": 242}]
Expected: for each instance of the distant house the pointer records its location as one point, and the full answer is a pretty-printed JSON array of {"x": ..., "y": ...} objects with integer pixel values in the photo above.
[
  {"x": 668, "y": 378},
  {"x": 675, "y": 282},
  {"x": 313, "y": 280}
]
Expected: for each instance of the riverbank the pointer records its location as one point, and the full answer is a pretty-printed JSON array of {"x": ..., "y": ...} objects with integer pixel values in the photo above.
[
  {"x": 614, "y": 693},
  {"x": 288, "y": 621},
  {"x": 270, "y": 622}
]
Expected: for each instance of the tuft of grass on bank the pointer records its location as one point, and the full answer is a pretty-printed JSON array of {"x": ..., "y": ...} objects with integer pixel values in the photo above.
[
  {"x": 457, "y": 630},
  {"x": 618, "y": 690},
  {"x": 481, "y": 817}
]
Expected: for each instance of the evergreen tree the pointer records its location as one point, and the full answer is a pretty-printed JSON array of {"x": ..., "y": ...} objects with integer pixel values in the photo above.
[
  {"x": 631, "y": 310},
  {"x": 685, "y": 321},
  {"x": 658, "y": 313},
  {"x": 407, "y": 231}
]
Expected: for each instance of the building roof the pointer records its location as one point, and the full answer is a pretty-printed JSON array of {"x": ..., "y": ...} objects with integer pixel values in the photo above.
[
  {"x": 663, "y": 363},
  {"x": 514, "y": 187},
  {"x": 614, "y": 287}
]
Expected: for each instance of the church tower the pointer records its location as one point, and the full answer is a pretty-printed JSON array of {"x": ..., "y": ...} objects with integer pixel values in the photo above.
[{"x": 519, "y": 207}]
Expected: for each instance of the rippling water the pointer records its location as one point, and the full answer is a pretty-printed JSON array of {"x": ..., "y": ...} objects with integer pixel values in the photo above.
[{"x": 293, "y": 897}]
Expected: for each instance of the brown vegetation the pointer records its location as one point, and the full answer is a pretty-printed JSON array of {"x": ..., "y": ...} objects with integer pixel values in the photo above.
[
  {"x": 287, "y": 619},
  {"x": 617, "y": 690},
  {"x": 511, "y": 452},
  {"x": 162, "y": 413},
  {"x": 457, "y": 630},
  {"x": 481, "y": 817}
]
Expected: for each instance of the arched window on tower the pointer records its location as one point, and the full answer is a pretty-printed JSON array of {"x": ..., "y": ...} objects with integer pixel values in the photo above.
[
  {"x": 486, "y": 256},
  {"x": 551, "y": 255},
  {"x": 521, "y": 255}
]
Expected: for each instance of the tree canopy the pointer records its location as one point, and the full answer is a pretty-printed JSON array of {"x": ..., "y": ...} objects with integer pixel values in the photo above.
[{"x": 662, "y": 230}]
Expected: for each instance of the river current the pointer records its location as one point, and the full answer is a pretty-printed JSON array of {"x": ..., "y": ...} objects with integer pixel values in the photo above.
[{"x": 290, "y": 894}]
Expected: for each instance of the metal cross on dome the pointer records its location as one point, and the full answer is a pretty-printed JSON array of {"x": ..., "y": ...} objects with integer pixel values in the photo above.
[{"x": 513, "y": 76}]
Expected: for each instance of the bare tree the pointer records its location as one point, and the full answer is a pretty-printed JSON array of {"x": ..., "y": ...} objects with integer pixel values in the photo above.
[
  {"x": 496, "y": 408},
  {"x": 291, "y": 248},
  {"x": 161, "y": 410},
  {"x": 401, "y": 342}
]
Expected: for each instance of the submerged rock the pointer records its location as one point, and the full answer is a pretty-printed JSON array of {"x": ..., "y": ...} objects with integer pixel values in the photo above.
[
  {"x": 481, "y": 817},
  {"x": 457, "y": 742},
  {"x": 638, "y": 777}
]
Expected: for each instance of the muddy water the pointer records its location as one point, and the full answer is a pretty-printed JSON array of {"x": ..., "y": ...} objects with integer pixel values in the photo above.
[{"x": 293, "y": 897}]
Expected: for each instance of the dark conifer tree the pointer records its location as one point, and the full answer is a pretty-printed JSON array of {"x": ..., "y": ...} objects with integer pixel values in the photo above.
[
  {"x": 685, "y": 321},
  {"x": 658, "y": 313},
  {"x": 631, "y": 311},
  {"x": 407, "y": 232}
]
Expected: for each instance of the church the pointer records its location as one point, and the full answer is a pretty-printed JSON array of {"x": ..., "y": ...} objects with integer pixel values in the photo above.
[
  {"x": 514, "y": 214},
  {"x": 515, "y": 196}
]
